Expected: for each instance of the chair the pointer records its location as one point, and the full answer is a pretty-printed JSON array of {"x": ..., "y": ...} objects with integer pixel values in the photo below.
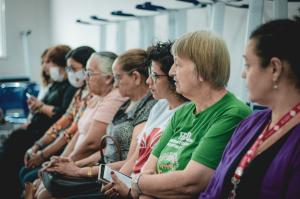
[
  {"x": 13, "y": 98},
  {"x": 256, "y": 107}
]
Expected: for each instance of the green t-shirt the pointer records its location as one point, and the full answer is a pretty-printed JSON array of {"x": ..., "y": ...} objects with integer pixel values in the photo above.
[{"x": 201, "y": 137}]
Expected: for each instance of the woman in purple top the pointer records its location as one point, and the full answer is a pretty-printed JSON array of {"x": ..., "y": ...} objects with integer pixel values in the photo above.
[{"x": 262, "y": 159}]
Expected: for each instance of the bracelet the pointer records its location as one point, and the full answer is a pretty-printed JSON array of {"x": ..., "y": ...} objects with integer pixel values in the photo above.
[
  {"x": 137, "y": 184},
  {"x": 89, "y": 173}
]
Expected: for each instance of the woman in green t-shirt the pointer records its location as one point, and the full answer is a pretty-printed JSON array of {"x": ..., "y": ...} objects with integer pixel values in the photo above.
[{"x": 190, "y": 149}]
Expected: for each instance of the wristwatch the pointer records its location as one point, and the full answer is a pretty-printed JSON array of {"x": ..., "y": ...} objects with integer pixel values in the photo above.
[{"x": 135, "y": 183}]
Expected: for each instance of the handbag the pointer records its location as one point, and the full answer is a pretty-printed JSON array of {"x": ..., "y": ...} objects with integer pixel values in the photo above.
[
  {"x": 59, "y": 185},
  {"x": 103, "y": 144}
]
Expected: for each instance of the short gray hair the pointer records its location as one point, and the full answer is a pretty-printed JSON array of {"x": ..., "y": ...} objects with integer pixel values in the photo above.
[{"x": 106, "y": 59}]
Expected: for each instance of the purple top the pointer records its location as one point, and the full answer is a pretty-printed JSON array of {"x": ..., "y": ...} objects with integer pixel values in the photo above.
[{"x": 282, "y": 178}]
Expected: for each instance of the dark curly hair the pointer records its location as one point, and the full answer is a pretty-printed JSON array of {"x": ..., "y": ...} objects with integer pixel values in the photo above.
[{"x": 161, "y": 53}]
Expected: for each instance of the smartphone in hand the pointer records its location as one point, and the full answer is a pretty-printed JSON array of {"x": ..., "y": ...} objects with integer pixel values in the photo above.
[
  {"x": 104, "y": 175},
  {"x": 28, "y": 95}
]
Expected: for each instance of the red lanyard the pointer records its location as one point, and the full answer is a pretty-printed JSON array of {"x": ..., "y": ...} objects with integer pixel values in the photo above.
[{"x": 251, "y": 153}]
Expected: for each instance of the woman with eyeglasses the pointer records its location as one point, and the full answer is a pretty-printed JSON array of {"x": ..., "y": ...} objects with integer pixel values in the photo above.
[
  {"x": 163, "y": 89},
  {"x": 188, "y": 152},
  {"x": 130, "y": 74},
  {"x": 42, "y": 150},
  {"x": 99, "y": 110}
]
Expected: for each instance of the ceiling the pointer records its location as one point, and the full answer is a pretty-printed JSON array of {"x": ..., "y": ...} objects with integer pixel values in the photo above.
[{"x": 129, "y": 6}]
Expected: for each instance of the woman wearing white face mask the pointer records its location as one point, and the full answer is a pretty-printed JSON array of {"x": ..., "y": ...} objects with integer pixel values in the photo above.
[
  {"x": 57, "y": 73},
  {"x": 76, "y": 78},
  {"x": 51, "y": 143},
  {"x": 54, "y": 102},
  {"x": 76, "y": 60},
  {"x": 45, "y": 113}
]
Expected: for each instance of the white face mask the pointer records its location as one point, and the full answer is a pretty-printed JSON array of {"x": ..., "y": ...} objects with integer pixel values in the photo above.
[
  {"x": 55, "y": 75},
  {"x": 76, "y": 79}
]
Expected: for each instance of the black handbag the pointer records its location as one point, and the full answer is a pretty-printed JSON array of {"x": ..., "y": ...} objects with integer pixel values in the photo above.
[{"x": 59, "y": 185}]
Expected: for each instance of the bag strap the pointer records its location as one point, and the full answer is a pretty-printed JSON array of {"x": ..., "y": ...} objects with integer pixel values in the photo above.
[
  {"x": 281, "y": 132},
  {"x": 102, "y": 146}
]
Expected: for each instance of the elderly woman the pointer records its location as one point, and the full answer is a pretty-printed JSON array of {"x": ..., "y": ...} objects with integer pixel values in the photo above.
[
  {"x": 130, "y": 74},
  {"x": 99, "y": 112},
  {"x": 264, "y": 152},
  {"x": 38, "y": 153},
  {"x": 190, "y": 149}
]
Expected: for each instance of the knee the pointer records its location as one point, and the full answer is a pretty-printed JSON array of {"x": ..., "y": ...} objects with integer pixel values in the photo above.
[{"x": 43, "y": 194}]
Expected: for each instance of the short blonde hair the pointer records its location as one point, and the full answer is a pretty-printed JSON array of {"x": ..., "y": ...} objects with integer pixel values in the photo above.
[{"x": 209, "y": 53}]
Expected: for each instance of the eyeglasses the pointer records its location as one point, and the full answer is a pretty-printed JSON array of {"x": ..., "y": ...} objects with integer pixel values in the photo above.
[
  {"x": 69, "y": 69},
  {"x": 154, "y": 76},
  {"x": 117, "y": 77},
  {"x": 89, "y": 74},
  {"x": 72, "y": 69}
]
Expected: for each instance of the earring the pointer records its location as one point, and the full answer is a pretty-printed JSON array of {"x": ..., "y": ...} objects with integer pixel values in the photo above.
[{"x": 275, "y": 86}]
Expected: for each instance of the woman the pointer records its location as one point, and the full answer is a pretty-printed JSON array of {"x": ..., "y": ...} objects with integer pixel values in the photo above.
[
  {"x": 269, "y": 143},
  {"x": 45, "y": 75},
  {"x": 163, "y": 89},
  {"x": 45, "y": 113},
  {"x": 186, "y": 155},
  {"x": 38, "y": 153},
  {"x": 46, "y": 82},
  {"x": 100, "y": 108},
  {"x": 130, "y": 74}
]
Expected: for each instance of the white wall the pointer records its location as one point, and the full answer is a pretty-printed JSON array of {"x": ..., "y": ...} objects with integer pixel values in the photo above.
[
  {"x": 23, "y": 15},
  {"x": 55, "y": 24},
  {"x": 234, "y": 34},
  {"x": 64, "y": 28}
]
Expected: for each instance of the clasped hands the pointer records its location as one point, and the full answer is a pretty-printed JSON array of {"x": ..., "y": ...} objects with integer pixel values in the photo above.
[
  {"x": 62, "y": 165},
  {"x": 33, "y": 158}
]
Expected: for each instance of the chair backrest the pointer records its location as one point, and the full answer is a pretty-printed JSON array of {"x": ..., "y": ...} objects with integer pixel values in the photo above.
[
  {"x": 13, "y": 97},
  {"x": 256, "y": 107}
]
